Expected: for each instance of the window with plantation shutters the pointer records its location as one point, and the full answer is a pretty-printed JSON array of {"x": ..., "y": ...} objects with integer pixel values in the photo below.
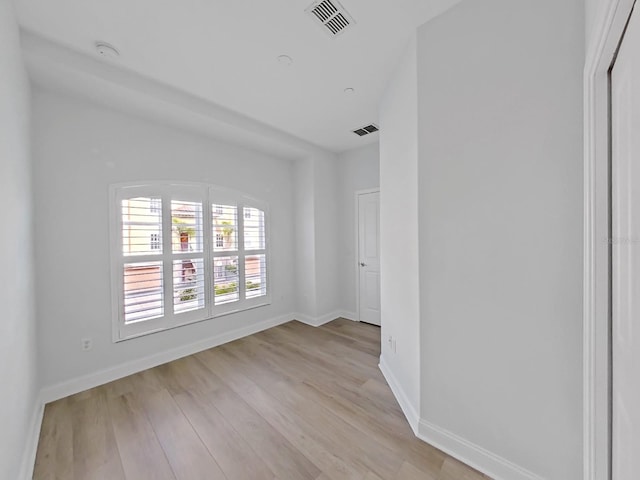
[
  {"x": 255, "y": 259},
  {"x": 184, "y": 253}
]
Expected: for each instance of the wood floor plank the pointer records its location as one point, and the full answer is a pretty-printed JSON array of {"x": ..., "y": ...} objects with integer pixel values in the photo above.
[
  {"x": 395, "y": 433},
  {"x": 326, "y": 385},
  {"x": 379, "y": 390},
  {"x": 396, "y": 428},
  {"x": 54, "y": 459},
  {"x": 366, "y": 451},
  {"x": 361, "y": 332},
  {"x": 426, "y": 458},
  {"x": 304, "y": 333},
  {"x": 187, "y": 455},
  {"x": 361, "y": 344},
  {"x": 291, "y": 402},
  {"x": 233, "y": 454},
  {"x": 409, "y": 472},
  {"x": 310, "y": 439},
  {"x": 328, "y": 389},
  {"x": 119, "y": 387},
  {"x": 282, "y": 457},
  {"x": 181, "y": 375},
  {"x": 297, "y": 354},
  {"x": 329, "y": 351},
  {"x": 305, "y": 370},
  {"x": 455, "y": 470},
  {"x": 141, "y": 453},
  {"x": 372, "y": 476},
  {"x": 95, "y": 452},
  {"x": 141, "y": 382}
]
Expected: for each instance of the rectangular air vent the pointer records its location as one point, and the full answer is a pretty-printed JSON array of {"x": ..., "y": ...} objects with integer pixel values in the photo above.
[
  {"x": 332, "y": 16},
  {"x": 366, "y": 130}
]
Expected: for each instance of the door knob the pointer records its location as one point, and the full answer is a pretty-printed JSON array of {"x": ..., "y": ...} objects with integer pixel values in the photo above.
[{"x": 362, "y": 264}]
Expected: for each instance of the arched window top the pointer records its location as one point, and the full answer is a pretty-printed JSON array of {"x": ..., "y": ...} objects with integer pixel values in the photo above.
[{"x": 185, "y": 252}]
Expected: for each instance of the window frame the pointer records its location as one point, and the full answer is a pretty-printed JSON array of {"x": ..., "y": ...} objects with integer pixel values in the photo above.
[{"x": 208, "y": 195}]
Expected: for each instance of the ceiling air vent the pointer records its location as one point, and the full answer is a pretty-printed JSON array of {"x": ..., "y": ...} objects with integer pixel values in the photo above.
[
  {"x": 332, "y": 16},
  {"x": 366, "y": 130}
]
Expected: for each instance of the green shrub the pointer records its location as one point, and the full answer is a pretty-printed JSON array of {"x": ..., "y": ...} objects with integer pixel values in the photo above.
[
  {"x": 188, "y": 294},
  {"x": 226, "y": 288}
]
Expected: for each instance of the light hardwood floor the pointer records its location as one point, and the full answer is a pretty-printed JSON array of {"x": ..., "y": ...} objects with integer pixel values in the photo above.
[{"x": 290, "y": 403}]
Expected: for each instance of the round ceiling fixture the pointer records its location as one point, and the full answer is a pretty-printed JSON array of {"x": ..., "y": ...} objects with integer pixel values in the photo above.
[
  {"x": 106, "y": 50},
  {"x": 349, "y": 90},
  {"x": 285, "y": 60}
]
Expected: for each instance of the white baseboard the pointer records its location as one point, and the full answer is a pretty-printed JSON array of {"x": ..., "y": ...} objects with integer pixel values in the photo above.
[
  {"x": 407, "y": 407},
  {"x": 353, "y": 316},
  {"x": 31, "y": 443},
  {"x": 457, "y": 447},
  {"x": 306, "y": 319},
  {"x": 85, "y": 382},
  {"x": 317, "y": 321},
  {"x": 473, "y": 455}
]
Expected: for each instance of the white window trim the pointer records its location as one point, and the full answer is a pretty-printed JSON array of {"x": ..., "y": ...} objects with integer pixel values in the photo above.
[{"x": 188, "y": 191}]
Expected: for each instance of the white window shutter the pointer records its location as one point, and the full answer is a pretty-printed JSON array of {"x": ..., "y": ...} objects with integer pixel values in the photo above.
[{"x": 183, "y": 253}]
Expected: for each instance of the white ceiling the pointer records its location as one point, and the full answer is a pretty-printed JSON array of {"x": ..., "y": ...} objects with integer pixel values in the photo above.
[{"x": 226, "y": 52}]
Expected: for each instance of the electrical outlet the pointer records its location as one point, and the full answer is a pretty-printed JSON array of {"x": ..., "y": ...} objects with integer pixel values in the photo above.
[{"x": 87, "y": 344}]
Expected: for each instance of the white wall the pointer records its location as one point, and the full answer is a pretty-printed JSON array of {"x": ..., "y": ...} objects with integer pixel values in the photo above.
[
  {"x": 79, "y": 150},
  {"x": 358, "y": 169},
  {"x": 595, "y": 10},
  {"x": 399, "y": 231},
  {"x": 305, "y": 239},
  {"x": 316, "y": 209},
  {"x": 18, "y": 369},
  {"x": 500, "y": 194},
  {"x": 326, "y": 235}
]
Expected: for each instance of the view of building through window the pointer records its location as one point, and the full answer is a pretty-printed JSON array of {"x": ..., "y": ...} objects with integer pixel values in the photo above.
[{"x": 181, "y": 268}]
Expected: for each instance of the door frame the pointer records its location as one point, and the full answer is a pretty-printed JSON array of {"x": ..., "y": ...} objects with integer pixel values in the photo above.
[
  {"x": 357, "y": 245},
  {"x": 597, "y": 243}
]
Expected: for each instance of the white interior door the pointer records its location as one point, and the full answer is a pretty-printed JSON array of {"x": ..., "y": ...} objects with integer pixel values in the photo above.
[
  {"x": 369, "y": 257},
  {"x": 625, "y": 216}
]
